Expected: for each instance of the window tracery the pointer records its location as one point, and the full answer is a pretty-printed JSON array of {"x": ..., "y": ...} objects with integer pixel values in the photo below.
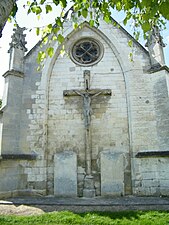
[{"x": 86, "y": 52}]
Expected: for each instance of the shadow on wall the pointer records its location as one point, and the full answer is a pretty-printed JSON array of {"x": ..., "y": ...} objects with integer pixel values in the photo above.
[
  {"x": 162, "y": 112},
  {"x": 13, "y": 177}
]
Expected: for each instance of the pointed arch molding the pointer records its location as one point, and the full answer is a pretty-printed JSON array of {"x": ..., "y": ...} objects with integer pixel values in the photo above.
[{"x": 49, "y": 64}]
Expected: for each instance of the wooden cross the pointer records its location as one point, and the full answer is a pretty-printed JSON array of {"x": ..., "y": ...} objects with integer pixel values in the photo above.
[{"x": 87, "y": 94}]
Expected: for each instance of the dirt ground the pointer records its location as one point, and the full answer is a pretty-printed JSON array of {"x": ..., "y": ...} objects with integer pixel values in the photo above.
[{"x": 21, "y": 210}]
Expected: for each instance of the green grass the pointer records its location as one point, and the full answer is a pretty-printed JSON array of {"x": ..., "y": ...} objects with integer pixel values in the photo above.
[{"x": 92, "y": 218}]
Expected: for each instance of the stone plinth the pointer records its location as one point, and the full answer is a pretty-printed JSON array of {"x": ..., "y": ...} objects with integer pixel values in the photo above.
[{"x": 89, "y": 190}]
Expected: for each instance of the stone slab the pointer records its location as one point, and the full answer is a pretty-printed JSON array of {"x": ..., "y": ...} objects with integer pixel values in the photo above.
[
  {"x": 65, "y": 174},
  {"x": 1, "y": 126},
  {"x": 89, "y": 190},
  {"x": 112, "y": 173}
]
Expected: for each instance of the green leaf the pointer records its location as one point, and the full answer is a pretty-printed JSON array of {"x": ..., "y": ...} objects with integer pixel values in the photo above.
[
  {"x": 38, "y": 17},
  {"x": 164, "y": 9},
  {"x": 29, "y": 10},
  {"x": 39, "y": 68},
  {"x": 41, "y": 56},
  {"x": 47, "y": 29},
  {"x": 137, "y": 35},
  {"x": 114, "y": 24},
  {"x": 56, "y": 2},
  {"x": 75, "y": 26},
  {"x": 28, "y": 3},
  {"x": 42, "y": 2},
  {"x": 91, "y": 22},
  {"x": 91, "y": 15},
  {"x": 76, "y": 7},
  {"x": 130, "y": 43},
  {"x": 107, "y": 19},
  {"x": 48, "y": 8},
  {"x": 84, "y": 13},
  {"x": 49, "y": 26},
  {"x": 62, "y": 51},
  {"x": 56, "y": 30},
  {"x": 14, "y": 10},
  {"x": 50, "y": 51},
  {"x": 131, "y": 57},
  {"x": 146, "y": 16},
  {"x": 60, "y": 38},
  {"x": 63, "y": 3},
  {"x": 9, "y": 19},
  {"x": 119, "y": 6},
  {"x": 45, "y": 40},
  {"x": 37, "y": 31},
  {"x": 146, "y": 3},
  {"x": 54, "y": 38},
  {"x": 146, "y": 26},
  {"x": 36, "y": 9},
  {"x": 58, "y": 22},
  {"x": 128, "y": 17},
  {"x": 125, "y": 21}
]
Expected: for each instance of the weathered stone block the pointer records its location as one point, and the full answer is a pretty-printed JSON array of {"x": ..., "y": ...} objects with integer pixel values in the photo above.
[
  {"x": 65, "y": 174},
  {"x": 112, "y": 173}
]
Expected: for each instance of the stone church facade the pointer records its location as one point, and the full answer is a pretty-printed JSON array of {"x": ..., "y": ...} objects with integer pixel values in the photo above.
[{"x": 91, "y": 122}]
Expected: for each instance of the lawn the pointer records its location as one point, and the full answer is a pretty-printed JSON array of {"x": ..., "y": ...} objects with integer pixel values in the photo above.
[{"x": 92, "y": 218}]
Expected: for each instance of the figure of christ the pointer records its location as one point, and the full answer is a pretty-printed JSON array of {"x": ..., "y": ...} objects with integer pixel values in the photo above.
[{"x": 87, "y": 111}]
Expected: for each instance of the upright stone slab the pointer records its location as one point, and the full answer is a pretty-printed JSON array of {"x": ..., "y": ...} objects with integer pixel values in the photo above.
[
  {"x": 1, "y": 127},
  {"x": 112, "y": 173},
  {"x": 65, "y": 174}
]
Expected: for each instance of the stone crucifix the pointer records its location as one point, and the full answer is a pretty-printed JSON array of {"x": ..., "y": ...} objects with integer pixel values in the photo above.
[
  {"x": 87, "y": 94},
  {"x": 87, "y": 111}
]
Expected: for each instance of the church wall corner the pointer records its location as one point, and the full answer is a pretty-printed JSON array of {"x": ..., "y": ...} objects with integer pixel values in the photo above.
[
  {"x": 151, "y": 176},
  {"x": 11, "y": 105}
]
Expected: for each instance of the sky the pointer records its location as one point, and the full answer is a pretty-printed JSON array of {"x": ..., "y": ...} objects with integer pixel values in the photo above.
[{"x": 30, "y": 22}]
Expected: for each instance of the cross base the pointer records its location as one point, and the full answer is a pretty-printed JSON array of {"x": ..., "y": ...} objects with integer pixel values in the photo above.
[{"x": 89, "y": 189}]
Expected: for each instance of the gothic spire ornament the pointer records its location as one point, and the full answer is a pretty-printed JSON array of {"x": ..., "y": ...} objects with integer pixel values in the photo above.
[
  {"x": 17, "y": 49},
  {"x": 18, "y": 39},
  {"x": 155, "y": 46}
]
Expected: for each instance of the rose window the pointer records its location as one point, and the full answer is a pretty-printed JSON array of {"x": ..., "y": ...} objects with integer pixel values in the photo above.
[{"x": 86, "y": 52}]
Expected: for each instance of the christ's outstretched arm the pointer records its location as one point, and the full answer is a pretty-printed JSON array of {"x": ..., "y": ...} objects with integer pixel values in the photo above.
[
  {"x": 99, "y": 93},
  {"x": 77, "y": 92}
]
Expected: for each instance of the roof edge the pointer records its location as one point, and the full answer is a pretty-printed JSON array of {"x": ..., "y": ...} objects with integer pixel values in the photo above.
[
  {"x": 131, "y": 37},
  {"x": 113, "y": 21}
]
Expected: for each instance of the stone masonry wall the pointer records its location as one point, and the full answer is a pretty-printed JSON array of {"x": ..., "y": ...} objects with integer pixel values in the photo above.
[
  {"x": 65, "y": 117},
  {"x": 150, "y": 175},
  {"x": 131, "y": 97},
  {"x": 12, "y": 100},
  {"x": 109, "y": 114},
  {"x": 13, "y": 177},
  {"x": 148, "y": 119},
  {"x": 32, "y": 120}
]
